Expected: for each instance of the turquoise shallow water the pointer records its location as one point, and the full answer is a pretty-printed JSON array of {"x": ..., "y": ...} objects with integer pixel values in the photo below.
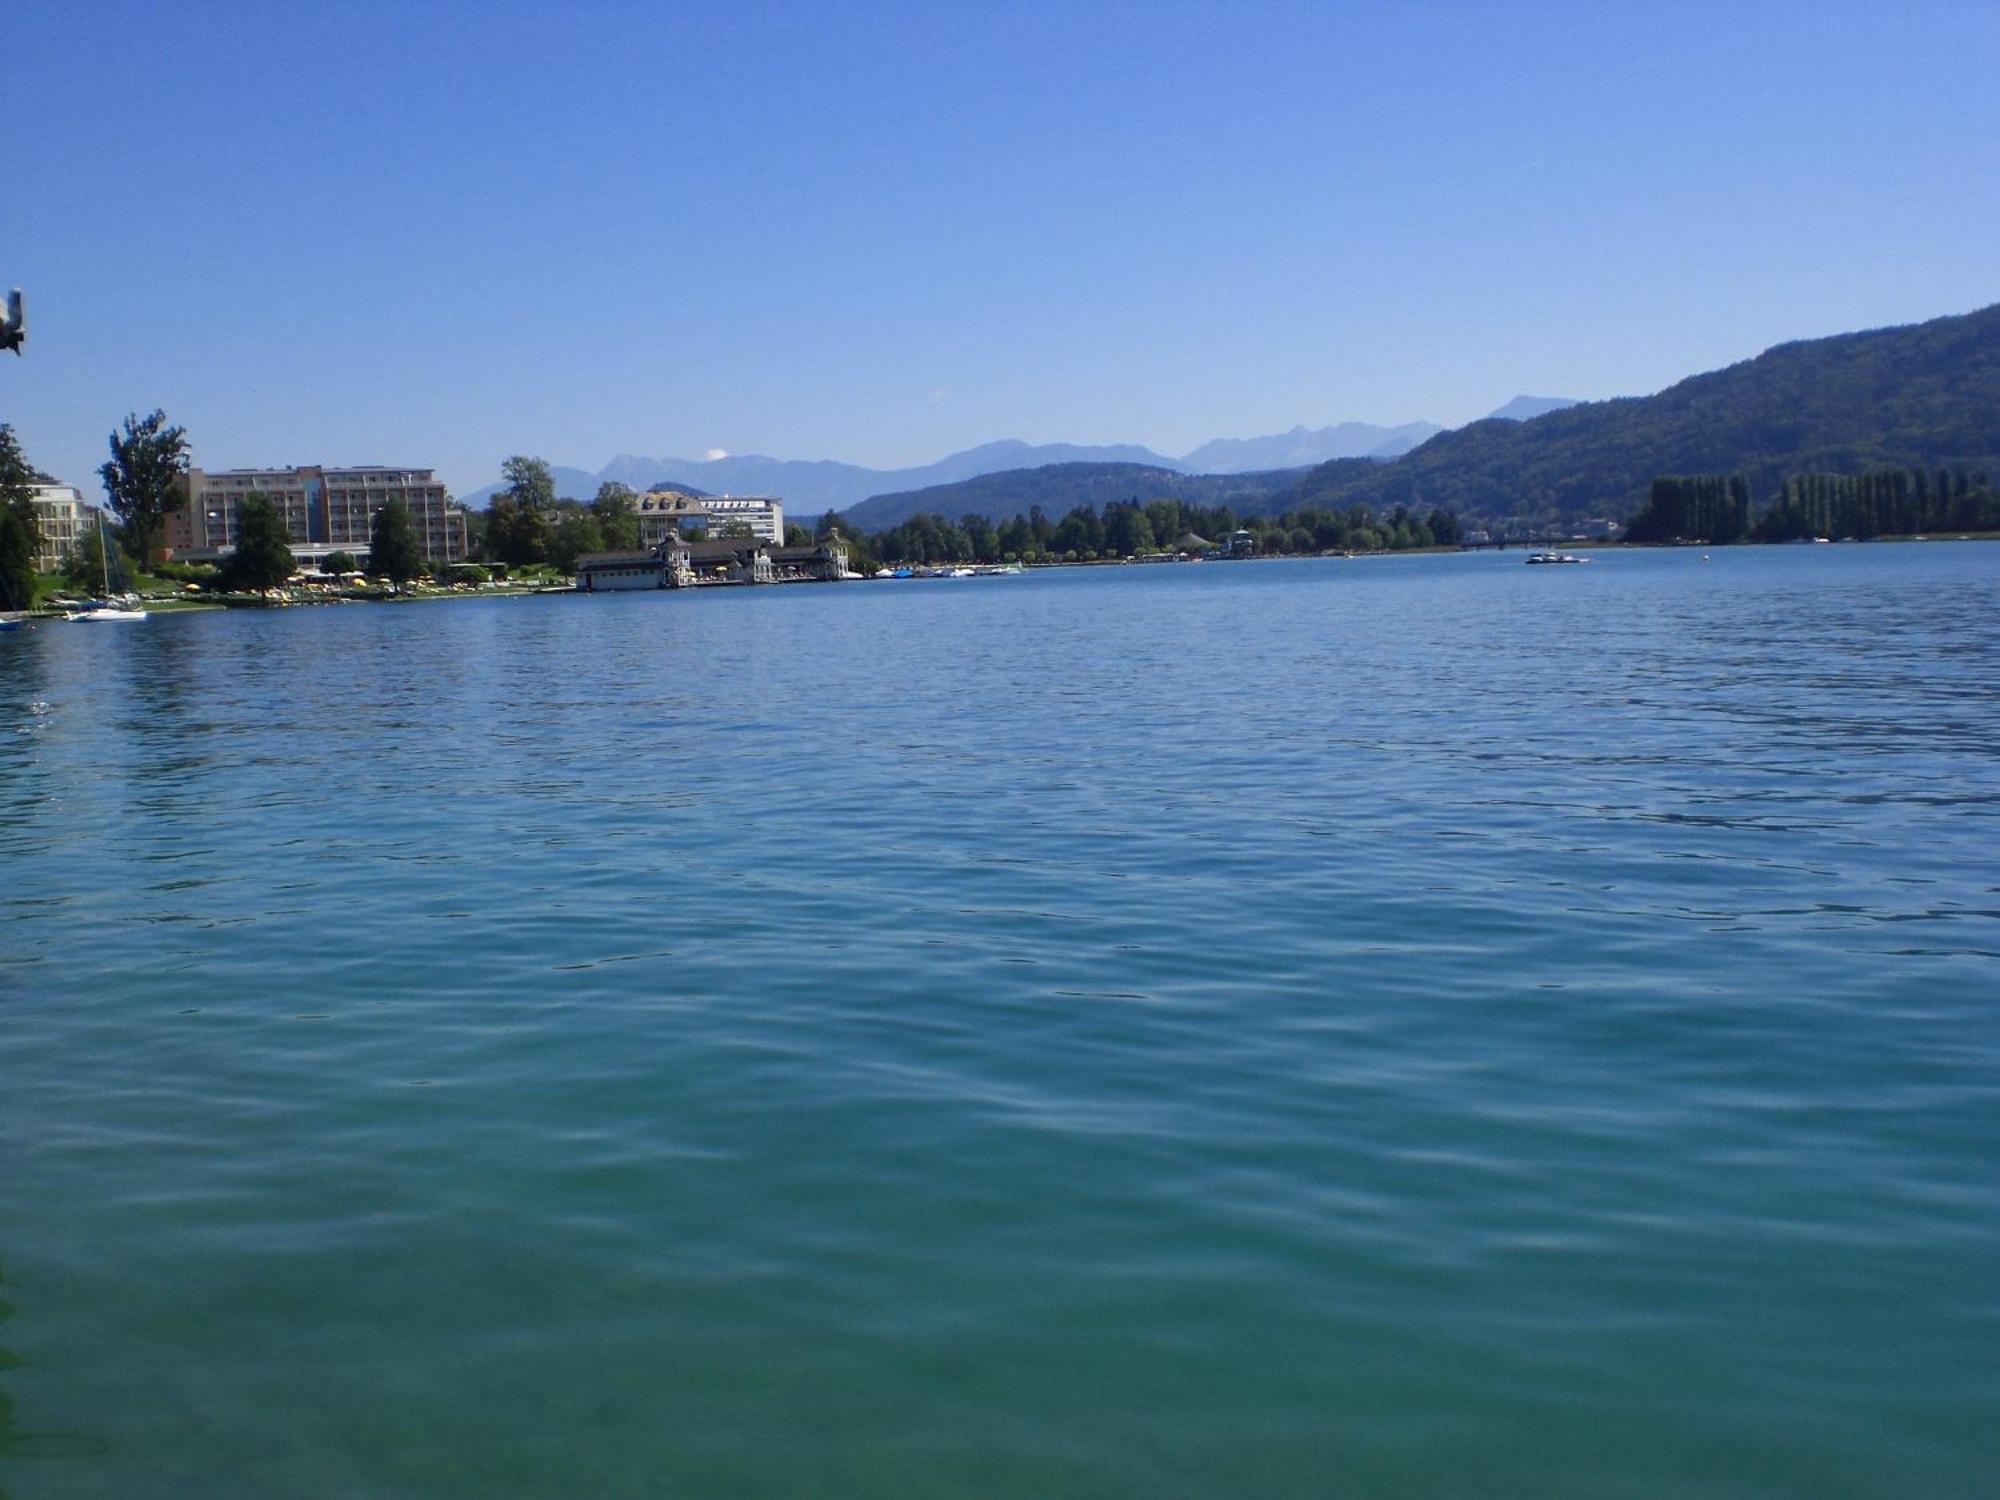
[{"x": 1400, "y": 1027}]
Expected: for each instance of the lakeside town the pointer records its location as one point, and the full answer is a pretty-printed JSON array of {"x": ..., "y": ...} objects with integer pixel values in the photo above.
[
  {"x": 174, "y": 535},
  {"x": 314, "y": 533}
]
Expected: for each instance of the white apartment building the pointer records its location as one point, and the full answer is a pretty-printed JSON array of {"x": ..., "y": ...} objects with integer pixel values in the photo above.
[
  {"x": 326, "y": 510},
  {"x": 66, "y": 523},
  {"x": 665, "y": 511}
]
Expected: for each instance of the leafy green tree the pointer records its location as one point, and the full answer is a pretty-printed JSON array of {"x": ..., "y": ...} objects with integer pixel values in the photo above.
[
  {"x": 797, "y": 536},
  {"x": 982, "y": 539},
  {"x": 20, "y": 531},
  {"x": 263, "y": 556},
  {"x": 515, "y": 535},
  {"x": 393, "y": 552},
  {"x": 736, "y": 528},
  {"x": 576, "y": 532},
  {"x": 520, "y": 522},
  {"x": 616, "y": 511},
  {"x": 530, "y": 485},
  {"x": 146, "y": 478},
  {"x": 338, "y": 562},
  {"x": 85, "y": 569}
]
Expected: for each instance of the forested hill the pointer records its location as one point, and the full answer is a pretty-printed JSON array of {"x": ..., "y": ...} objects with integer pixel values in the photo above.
[
  {"x": 1060, "y": 488},
  {"x": 1924, "y": 397}
]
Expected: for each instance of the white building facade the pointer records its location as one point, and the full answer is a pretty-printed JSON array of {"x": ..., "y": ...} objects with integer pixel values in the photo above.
[
  {"x": 66, "y": 523},
  {"x": 663, "y": 512}
]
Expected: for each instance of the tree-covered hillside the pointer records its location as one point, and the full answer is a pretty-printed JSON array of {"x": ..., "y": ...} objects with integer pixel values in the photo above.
[{"x": 1923, "y": 397}]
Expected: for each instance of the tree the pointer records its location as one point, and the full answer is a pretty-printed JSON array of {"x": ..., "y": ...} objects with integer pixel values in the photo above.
[
  {"x": 530, "y": 485},
  {"x": 736, "y": 527},
  {"x": 84, "y": 569},
  {"x": 338, "y": 562},
  {"x": 20, "y": 531},
  {"x": 520, "y": 522},
  {"x": 515, "y": 535},
  {"x": 263, "y": 556},
  {"x": 146, "y": 478},
  {"x": 797, "y": 536},
  {"x": 393, "y": 552},
  {"x": 616, "y": 511},
  {"x": 576, "y": 532}
]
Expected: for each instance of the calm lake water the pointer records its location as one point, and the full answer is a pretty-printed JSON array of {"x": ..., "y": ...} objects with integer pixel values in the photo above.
[{"x": 1396, "y": 1027}]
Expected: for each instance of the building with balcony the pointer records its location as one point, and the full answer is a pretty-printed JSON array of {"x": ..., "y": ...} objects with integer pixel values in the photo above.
[
  {"x": 662, "y": 512},
  {"x": 66, "y": 523},
  {"x": 326, "y": 510}
]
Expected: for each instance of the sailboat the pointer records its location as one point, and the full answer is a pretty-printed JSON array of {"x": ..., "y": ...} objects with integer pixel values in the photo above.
[{"x": 106, "y": 611}]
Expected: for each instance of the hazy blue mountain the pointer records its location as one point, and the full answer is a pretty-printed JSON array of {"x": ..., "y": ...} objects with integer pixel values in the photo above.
[
  {"x": 631, "y": 469},
  {"x": 810, "y": 486},
  {"x": 1305, "y": 445},
  {"x": 1059, "y": 488},
  {"x": 1917, "y": 397},
  {"x": 1523, "y": 408},
  {"x": 1401, "y": 440}
]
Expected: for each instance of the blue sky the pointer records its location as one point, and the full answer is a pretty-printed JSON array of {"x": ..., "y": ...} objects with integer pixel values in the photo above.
[{"x": 441, "y": 233}]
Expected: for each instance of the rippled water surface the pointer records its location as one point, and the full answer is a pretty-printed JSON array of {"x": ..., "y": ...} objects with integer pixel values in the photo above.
[{"x": 1400, "y": 1027}]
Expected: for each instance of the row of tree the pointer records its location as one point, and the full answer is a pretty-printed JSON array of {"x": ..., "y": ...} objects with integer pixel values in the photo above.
[
  {"x": 1130, "y": 529},
  {"x": 1883, "y": 502},
  {"x": 527, "y": 523}
]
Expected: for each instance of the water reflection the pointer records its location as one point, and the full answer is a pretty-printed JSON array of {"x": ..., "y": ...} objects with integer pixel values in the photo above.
[{"x": 25, "y": 716}]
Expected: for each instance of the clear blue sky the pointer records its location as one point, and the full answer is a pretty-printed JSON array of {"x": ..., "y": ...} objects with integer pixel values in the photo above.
[{"x": 440, "y": 233}]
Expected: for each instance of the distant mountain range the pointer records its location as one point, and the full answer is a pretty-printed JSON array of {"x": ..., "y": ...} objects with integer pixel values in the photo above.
[
  {"x": 1924, "y": 396},
  {"x": 1302, "y": 446},
  {"x": 811, "y": 486}
]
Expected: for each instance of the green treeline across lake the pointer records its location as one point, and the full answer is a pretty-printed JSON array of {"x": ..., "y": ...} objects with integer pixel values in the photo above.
[
  {"x": 1130, "y": 529},
  {"x": 1886, "y": 502}
]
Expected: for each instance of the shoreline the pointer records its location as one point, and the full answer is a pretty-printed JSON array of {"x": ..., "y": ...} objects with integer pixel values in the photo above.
[{"x": 179, "y": 604}]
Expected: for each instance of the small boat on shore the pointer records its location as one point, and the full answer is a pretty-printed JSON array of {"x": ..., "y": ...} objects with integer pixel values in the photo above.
[
  {"x": 107, "y": 612},
  {"x": 111, "y": 611}
]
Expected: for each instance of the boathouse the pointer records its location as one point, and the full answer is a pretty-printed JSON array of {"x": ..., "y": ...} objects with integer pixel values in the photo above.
[
  {"x": 678, "y": 563},
  {"x": 606, "y": 572},
  {"x": 825, "y": 561}
]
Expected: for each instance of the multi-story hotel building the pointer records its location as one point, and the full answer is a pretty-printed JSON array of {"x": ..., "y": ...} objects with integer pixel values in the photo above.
[
  {"x": 66, "y": 523},
  {"x": 325, "y": 510},
  {"x": 663, "y": 512}
]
